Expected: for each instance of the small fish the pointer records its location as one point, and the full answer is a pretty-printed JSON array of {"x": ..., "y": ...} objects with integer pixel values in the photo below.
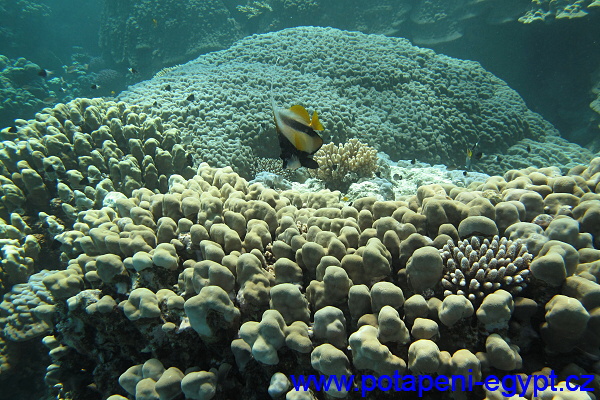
[
  {"x": 112, "y": 92},
  {"x": 50, "y": 100},
  {"x": 84, "y": 182},
  {"x": 44, "y": 73},
  {"x": 528, "y": 148},
  {"x": 345, "y": 198},
  {"x": 94, "y": 86},
  {"x": 155, "y": 104},
  {"x": 70, "y": 69},
  {"x": 132, "y": 70},
  {"x": 470, "y": 154},
  {"x": 478, "y": 155},
  {"x": 167, "y": 88},
  {"x": 397, "y": 177},
  {"x": 413, "y": 161},
  {"x": 378, "y": 174},
  {"x": 465, "y": 173},
  {"x": 334, "y": 167},
  {"x": 498, "y": 159},
  {"x": 154, "y": 22},
  {"x": 191, "y": 97}
]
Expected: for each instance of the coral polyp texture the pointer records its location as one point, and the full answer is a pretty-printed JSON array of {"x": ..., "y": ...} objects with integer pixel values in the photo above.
[{"x": 407, "y": 101}]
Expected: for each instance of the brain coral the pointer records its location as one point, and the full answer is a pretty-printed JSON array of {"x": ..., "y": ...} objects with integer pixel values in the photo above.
[{"x": 408, "y": 101}]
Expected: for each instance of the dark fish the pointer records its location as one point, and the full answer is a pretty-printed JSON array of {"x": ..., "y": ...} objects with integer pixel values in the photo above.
[
  {"x": 378, "y": 174},
  {"x": 44, "y": 73},
  {"x": 168, "y": 87},
  {"x": 12, "y": 129},
  {"x": 94, "y": 87},
  {"x": 132, "y": 70},
  {"x": 334, "y": 167},
  {"x": 55, "y": 245},
  {"x": 465, "y": 173},
  {"x": 528, "y": 148},
  {"x": 397, "y": 177},
  {"x": 413, "y": 161},
  {"x": 155, "y": 104},
  {"x": 84, "y": 182},
  {"x": 191, "y": 97},
  {"x": 297, "y": 137},
  {"x": 498, "y": 159},
  {"x": 478, "y": 155}
]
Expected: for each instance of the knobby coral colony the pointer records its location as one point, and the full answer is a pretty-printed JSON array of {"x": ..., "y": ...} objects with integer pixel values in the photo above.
[
  {"x": 474, "y": 269},
  {"x": 188, "y": 282}
]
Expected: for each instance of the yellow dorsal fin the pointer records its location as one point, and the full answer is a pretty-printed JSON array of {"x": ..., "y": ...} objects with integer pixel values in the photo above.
[
  {"x": 315, "y": 123},
  {"x": 301, "y": 112}
]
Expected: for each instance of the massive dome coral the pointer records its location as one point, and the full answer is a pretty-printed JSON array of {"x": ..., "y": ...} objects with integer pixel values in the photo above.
[{"x": 408, "y": 101}]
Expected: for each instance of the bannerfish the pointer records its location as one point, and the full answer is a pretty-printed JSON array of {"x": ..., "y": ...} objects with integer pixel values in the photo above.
[
  {"x": 94, "y": 86},
  {"x": 297, "y": 135},
  {"x": 470, "y": 154},
  {"x": 132, "y": 70},
  {"x": 44, "y": 73}
]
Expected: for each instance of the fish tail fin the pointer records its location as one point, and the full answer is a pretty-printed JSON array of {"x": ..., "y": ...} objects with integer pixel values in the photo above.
[{"x": 315, "y": 123}]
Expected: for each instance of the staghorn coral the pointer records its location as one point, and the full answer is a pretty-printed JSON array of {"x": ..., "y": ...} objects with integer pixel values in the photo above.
[
  {"x": 339, "y": 166},
  {"x": 475, "y": 269}
]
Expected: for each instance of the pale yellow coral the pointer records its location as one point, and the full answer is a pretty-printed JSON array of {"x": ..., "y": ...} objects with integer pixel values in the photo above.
[{"x": 341, "y": 165}]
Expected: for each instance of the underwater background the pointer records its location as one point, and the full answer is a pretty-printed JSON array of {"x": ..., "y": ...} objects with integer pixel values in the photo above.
[{"x": 154, "y": 246}]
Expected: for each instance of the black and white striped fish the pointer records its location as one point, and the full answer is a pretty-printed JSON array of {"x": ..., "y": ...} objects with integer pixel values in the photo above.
[{"x": 297, "y": 135}]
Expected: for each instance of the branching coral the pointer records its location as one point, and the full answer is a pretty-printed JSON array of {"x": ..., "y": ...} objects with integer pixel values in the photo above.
[
  {"x": 474, "y": 269},
  {"x": 339, "y": 166}
]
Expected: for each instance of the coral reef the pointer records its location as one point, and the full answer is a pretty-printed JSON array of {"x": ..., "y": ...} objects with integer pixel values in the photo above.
[
  {"x": 21, "y": 89},
  {"x": 412, "y": 103},
  {"x": 151, "y": 35},
  {"x": 215, "y": 277},
  {"x": 137, "y": 264},
  {"x": 545, "y": 10}
]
